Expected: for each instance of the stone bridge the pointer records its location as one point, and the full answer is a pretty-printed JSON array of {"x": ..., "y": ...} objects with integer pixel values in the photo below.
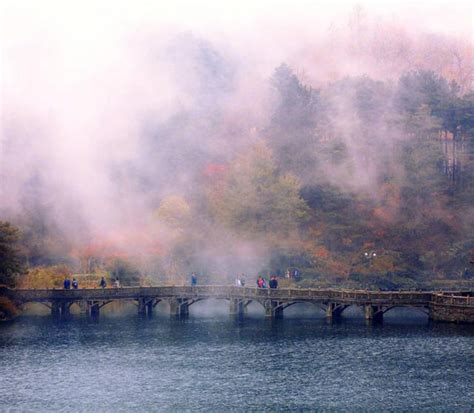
[{"x": 452, "y": 307}]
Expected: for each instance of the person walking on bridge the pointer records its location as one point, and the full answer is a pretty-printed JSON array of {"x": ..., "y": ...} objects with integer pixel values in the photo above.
[
  {"x": 103, "y": 283},
  {"x": 67, "y": 283},
  {"x": 193, "y": 280}
]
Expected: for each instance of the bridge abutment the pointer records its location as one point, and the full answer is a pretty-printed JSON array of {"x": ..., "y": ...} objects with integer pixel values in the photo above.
[{"x": 451, "y": 313}]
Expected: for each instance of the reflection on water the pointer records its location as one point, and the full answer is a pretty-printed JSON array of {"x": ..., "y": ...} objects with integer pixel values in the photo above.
[{"x": 218, "y": 363}]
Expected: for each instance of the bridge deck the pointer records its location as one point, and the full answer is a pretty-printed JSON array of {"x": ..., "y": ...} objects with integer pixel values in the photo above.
[{"x": 228, "y": 292}]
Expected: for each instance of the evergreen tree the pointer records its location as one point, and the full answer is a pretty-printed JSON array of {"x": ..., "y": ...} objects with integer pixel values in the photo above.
[
  {"x": 11, "y": 262},
  {"x": 291, "y": 133}
]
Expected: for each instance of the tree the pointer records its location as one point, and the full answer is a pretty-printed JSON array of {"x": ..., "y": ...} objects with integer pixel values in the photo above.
[
  {"x": 174, "y": 212},
  {"x": 257, "y": 199},
  {"x": 125, "y": 271},
  {"x": 11, "y": 261},
  {"x": 416, "y": 89},
  {"x": 292, "y": 128}
]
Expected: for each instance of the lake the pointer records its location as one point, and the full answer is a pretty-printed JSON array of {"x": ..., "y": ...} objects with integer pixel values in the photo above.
[{"x": 213, "y": 362}]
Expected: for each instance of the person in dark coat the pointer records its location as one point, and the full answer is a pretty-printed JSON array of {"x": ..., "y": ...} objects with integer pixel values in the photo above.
[
  {"x": 103, "y": 283},
  {"x": 273, "y": 282},
  {"x": 67, "y": 284},
  {"x": 75, "y": 284}
]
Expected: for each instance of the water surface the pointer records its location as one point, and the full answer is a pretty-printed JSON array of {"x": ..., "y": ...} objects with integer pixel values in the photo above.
[{"x": 212, "y": 362}]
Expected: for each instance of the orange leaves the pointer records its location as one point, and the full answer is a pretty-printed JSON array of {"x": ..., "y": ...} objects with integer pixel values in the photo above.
[
  {"x": 321, "y": 252},
  {"x": 387, "y": 209},
  {"x": 383, "y": 214}
]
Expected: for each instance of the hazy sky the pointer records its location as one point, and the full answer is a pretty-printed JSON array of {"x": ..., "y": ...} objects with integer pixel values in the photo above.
[{"x": 87, "y": 20}]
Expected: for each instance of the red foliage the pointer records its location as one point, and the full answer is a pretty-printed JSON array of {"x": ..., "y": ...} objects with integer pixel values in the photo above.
[{"x": 214, "y": 170}]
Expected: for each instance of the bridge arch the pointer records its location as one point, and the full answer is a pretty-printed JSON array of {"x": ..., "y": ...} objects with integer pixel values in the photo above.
[
  {"x": 418, "y": 309},
  {"x": 276, "y": 307},
  {"x": 285, "y": 305}
]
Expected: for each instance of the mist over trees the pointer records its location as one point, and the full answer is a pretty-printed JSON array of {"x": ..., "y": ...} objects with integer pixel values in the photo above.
[
  {"x": 231, "y": 171},
  {"x": 11, "y": 262}
]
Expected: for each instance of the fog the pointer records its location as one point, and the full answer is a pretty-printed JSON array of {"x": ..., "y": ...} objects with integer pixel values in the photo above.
[{"x": 107, "y": 109}]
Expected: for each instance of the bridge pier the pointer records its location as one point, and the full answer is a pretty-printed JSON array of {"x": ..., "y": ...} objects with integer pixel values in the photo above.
[
  {"x": 149, "y": 308},
  {"x": 55, "y": 309},
  {"x": 93, "y": 309},
  {"x": 179, "y": 307},
  {"x": 145, "y": 306},
  {"x": 83, "y": 307},
  {"x": 334, "y": 310},
  {"x": 273, "y": 309},
  {"x": 60, "y": 309},
  {"x": 65, "y": 310},
  {"x": 237, "y": 307},
  {"x": 373, "y": 313}
]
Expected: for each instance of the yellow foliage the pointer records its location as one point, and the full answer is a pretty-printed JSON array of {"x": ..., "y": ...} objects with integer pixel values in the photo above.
[
  {"x": 173, "y": 210},
  {"x": 338, "y": 268},
  {"x": 44, "y": 277},
  {"x": 53, "y": 277}
]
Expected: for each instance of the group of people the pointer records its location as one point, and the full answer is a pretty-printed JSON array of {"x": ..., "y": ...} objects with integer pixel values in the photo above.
[
  {"x": 103, "y": 283},
  {"x": 75, "y": 284},
  {"x": 240, "y": 281},
  {"x": 67, "y": 284},
  {"x": 262, "y": 283},
  {"x": 294, "y": 273}
]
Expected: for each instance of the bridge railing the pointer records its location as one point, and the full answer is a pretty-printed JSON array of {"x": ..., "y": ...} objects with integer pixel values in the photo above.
[
  {"x": 249, "y": 293},
  {"x": 219, "y": 291},
  {"x": 451, "y": 299}
]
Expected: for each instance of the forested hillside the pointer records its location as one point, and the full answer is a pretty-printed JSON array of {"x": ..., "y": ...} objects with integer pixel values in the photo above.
[{"x": 353, "y": 177}]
